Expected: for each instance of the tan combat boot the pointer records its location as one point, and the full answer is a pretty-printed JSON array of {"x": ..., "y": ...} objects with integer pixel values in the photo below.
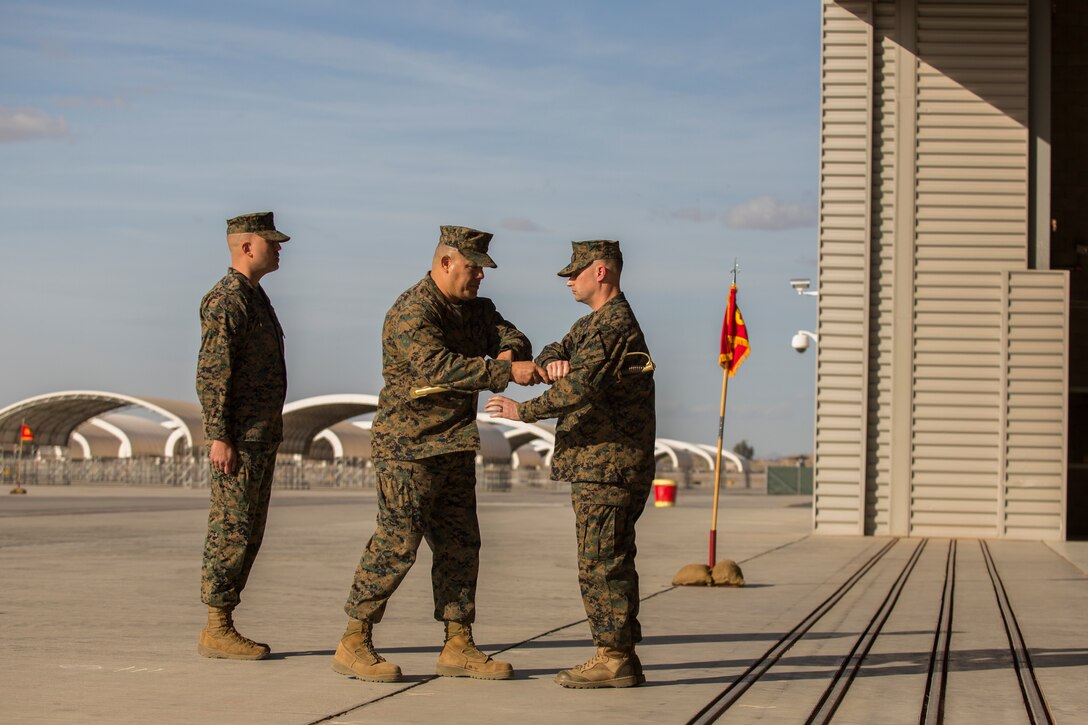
[
  {"x": 610, "y": 667},
  {"x": 220, "y": 639},
  {"x": 461, "y": 658},
  {"x": 355, "y": 656}
]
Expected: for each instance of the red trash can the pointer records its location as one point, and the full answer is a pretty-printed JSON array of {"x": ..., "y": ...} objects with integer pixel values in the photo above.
[{"x": 664, "y": 492}]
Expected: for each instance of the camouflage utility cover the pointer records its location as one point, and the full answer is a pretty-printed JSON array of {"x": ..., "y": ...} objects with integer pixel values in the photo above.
[
  {"x": 241, "y": 376},
  {"x": 472, "y": 243},
  {"x": 427, "y": 340},
  {"x": 261, "y": 223},
  {"x": 583, "y": 254},
  {"x": 607, "y": 424}
]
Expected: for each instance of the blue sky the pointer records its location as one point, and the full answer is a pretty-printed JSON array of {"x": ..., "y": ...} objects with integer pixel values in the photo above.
[{"x": 130, "y": 131}]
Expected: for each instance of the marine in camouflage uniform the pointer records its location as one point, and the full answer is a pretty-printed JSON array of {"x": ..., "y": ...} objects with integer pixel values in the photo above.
[
  {"x": 438, "y": 335},
  {"x": 603, "y": 396},
  {"x": 241, "y": 382}
]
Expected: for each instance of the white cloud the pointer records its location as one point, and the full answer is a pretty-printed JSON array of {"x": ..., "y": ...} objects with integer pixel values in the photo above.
[
  {"x": 25, "y": 124},
  {"x": 766, "y": 212}
]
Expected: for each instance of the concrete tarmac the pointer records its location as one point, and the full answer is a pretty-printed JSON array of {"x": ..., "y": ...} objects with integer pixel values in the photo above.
[{"x": 100, "y": 613}]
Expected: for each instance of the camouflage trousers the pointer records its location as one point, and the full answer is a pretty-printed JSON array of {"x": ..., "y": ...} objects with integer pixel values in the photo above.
[
  {"x": 236, "y": 519},
  {"x": 605, "y": 516},
  {"x": 432, "y": 499}
]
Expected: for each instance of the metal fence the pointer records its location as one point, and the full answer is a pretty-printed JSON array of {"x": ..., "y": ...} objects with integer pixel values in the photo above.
[
  {"x": 193, "y": 472},
  {"x": 183, "y": 471},
  {"x": 788, "y": 480},
  {"x": 291, "y": 473}
]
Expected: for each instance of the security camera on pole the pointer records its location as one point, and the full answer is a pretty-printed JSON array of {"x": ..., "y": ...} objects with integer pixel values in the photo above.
[
  {"x": 801, "y": 287},
  {"x": 799, "y": 342}
]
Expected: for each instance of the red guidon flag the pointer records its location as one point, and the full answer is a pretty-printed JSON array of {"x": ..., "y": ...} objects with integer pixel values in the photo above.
[
  {"x": 25, "y": 434},
  {"x": 734, "y": 336}
]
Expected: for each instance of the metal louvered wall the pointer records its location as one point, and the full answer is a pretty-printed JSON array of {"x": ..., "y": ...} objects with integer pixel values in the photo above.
[
  {"x": 972, "y": 216},
  {"x": 887, "y": 135},
  {"x": 845, "y": 170},
  {"x": 941, "y": 370},
  {"x": 1037, "y": 413}
]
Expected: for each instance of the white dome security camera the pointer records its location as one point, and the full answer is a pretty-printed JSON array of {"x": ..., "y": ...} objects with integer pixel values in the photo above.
[{"x": 799, "y": 342}]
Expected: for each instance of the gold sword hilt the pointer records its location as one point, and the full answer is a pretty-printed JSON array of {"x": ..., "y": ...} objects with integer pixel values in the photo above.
[
  {"x": 424, "y": 391},
  {"x": 636, "y": 368}
]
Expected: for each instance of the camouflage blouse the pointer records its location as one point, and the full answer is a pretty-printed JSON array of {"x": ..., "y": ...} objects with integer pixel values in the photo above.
[
  {"x": 241, "y": 376},
  {"x": 427, "y": 341},
  {"x": 607, "y": 422}
]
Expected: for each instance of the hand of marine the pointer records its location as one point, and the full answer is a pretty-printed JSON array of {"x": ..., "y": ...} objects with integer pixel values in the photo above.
[
  {"x": 556, "y": 369},
  {"x": 223, "y": 457},
  {"x": 502, "y": 407},
  {"x": 527, "y": 373}
]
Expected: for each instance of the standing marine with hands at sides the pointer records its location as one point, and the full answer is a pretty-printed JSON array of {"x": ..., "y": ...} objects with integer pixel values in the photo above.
[
  {"x": 603, "y": 395},
  {"x": 441, "y": 345},
  {"x": 241, "y": 380}
]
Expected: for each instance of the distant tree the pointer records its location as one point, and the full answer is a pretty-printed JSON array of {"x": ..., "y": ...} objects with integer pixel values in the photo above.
[{"x": 744, "y": 450}]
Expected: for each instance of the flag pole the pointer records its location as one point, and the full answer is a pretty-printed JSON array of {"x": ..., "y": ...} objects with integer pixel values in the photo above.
[
  {"x": 713, "y": 554},
  {"x": 735, "y": 348},
  {"x": 718, "y": 473}
]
